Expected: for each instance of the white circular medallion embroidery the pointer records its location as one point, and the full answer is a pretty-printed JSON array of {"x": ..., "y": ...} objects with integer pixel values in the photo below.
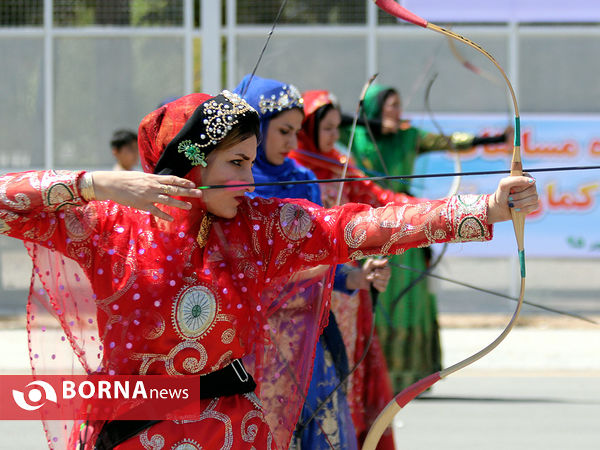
[
  {"x": 186, "y": 444},
  {"x": 194, "y": 311},
  {"x": 294, "y": 221}
]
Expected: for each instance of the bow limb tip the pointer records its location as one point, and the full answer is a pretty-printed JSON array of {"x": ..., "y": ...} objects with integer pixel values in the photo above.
[
  {"x": 383, "y": 420},
  {"x": 385, "y": 417},
  {"x": 394, "y": 9},
  {"x": 417, "y": 388}
]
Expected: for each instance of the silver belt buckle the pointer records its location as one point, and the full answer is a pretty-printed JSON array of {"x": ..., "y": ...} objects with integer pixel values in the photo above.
[{"x": 234, "y": 364}]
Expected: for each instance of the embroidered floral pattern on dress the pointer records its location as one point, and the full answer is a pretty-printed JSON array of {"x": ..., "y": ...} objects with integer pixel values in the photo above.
[
  {"x": 227, "y": 336},
  {"x": 154, "y": 327},
  {"x": 19, "y": 200},
  {"x": 470, "y": 215},
  {"x": 463, "y": 217},
  {"x": 59, "y": 189},
  {"x": 223, "y": 361},
  {"x": 249, "y": 432},
  {"x": 80, "y": 226},
  {"x": 289, "y": 97},
  {"x": 148, "y": 359},
  {"x": 157, "y": 442},
  {"x": 210, "y": 413}
]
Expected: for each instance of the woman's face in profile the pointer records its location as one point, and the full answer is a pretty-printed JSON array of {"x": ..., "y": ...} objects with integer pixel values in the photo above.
[
  {"x": 281, "y": 135},
  {"x": 231, "y": 165},
  {"x": 391, "y": 111},
  {"x": 329, "y": 130}
]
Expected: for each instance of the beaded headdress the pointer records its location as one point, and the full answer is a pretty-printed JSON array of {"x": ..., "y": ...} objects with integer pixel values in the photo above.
[
  {"x": 288, "y": 97},
  {"x": 210, "y": 123}
]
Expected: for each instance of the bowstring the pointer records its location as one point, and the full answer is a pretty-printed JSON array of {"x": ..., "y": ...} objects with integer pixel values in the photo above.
[{"x": 262, "y": 52}]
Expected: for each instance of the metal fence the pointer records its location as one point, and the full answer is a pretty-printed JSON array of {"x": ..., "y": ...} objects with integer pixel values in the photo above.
[{"x": 75, "y": 70}]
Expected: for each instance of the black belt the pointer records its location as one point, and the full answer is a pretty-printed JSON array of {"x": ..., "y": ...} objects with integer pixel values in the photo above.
[
  {"x": 230, "y": 380},
  {"x": 116, "y": 432}
]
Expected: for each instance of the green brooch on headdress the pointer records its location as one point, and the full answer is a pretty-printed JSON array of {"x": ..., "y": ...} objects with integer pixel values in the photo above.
[{"x": 193, "y": 152}]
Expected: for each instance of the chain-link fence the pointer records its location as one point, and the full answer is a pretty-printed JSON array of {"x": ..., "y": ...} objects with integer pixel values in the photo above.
[
  {"x": 303, "y": 12},
  {"x": 118, "y": 12},
  {"x": 21, "y": 13}
]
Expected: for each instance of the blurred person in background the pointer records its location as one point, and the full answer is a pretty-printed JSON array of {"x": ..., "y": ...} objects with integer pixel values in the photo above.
[
  {"x": 125, "y": 149},
  {"x": 369, "y": 387},
  {"x": 407, "y": 312}
]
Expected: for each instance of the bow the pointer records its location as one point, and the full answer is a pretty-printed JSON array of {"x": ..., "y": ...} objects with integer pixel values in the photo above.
[
  {"x": 472, "y": 67},
  {"x": 479, "y": 71},
  {"x": 518, "y": 218},
  {"x": 455, "y": 186}
]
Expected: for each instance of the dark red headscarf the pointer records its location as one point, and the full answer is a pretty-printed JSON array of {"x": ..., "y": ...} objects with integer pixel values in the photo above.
[
  {"x": 179, "y": 135},
  {"x": 327, "y": 164},
  {"x": 159, "y": 127}
]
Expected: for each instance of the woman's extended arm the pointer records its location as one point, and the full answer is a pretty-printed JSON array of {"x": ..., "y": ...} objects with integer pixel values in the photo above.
[
  {"x": 48, "y": 207},
  {"x": 303, "y": 235}
]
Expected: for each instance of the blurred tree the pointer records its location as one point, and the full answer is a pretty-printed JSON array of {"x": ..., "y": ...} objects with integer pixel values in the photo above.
[
  {"x": 157, "y": 12},
  {"x": 302, "y": 11},
  {"x": 112, "y": 12},
  {"x": 170, "y": 12},
  {"x": 21, "y": 12},
  {"x": 72, "y": 13}
]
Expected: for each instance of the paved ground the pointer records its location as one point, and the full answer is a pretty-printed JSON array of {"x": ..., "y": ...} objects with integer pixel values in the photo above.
[
  {"x": 566, "y": 284},
  {"x": 539, "y": 390},
  {"x": 501, "y": 411}
]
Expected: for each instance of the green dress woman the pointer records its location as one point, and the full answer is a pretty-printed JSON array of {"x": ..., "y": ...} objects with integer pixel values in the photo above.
[{"x": 406, "y": 318}]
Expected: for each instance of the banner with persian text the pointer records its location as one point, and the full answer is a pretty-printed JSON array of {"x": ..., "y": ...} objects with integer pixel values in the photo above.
[{"x": 567, "y": 223}]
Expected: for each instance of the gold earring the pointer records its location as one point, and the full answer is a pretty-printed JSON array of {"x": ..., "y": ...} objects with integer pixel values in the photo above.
[{"x": 202, "y": 237}]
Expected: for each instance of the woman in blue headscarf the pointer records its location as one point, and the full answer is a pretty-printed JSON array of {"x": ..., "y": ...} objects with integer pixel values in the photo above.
[
  {"x": 280, "y": 110},
  {"x": 281, "y": 114}
]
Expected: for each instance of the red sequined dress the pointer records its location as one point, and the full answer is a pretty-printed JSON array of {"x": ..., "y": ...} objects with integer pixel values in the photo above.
[{"x": 120, "y": 284}]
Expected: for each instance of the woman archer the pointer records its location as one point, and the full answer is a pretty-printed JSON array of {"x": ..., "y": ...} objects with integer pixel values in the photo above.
[{"x": 122, "y": 276}]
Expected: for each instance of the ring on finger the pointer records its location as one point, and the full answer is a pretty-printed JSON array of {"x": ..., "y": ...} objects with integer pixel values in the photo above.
[{"x": 166, "y": 189}]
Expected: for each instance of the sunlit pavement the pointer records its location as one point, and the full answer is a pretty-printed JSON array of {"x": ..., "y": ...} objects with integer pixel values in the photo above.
[{"x": 539, "y": 390}]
